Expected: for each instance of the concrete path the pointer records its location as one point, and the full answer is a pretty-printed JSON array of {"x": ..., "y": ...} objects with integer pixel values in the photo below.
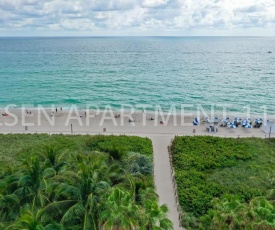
[{"x": 163, "y": 178}]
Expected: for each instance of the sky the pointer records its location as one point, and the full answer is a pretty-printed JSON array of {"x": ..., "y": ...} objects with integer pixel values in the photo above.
[{"x": 137, "y": 18}]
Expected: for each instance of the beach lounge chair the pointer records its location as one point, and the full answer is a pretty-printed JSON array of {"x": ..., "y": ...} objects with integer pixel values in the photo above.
[{"x": 211, "y": 127}]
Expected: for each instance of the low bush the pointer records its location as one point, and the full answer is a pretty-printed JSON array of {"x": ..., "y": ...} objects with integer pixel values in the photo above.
[
  {"x": 210, "y": 167},
  {"x": 127, "y": 143}
]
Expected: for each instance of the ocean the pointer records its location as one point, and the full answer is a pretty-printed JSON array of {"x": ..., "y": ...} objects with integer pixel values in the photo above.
[{"x": 237, "y": 72}]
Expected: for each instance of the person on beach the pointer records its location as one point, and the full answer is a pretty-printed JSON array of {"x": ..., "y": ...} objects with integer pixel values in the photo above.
[
  {"x": 55, "y": 109},
  {"x": 61, "y": 109}
]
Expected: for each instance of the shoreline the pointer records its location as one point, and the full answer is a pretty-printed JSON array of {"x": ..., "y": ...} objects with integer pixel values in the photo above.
[{"x": 185, "y": 113}]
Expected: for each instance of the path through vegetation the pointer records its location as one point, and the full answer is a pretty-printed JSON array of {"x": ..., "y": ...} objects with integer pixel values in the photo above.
[{"x": 163, "y": 178}]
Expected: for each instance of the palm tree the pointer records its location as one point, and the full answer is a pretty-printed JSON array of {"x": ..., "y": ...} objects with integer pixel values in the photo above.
[
  {"x": 156, "y": 216},
  {"x": 9, "y": 207},
  {"x": 85, "y": 192},
  {"x": 54, "y": 158},
  {"x": 120, "y": 211},
  {"x": 79, "y": 198},
  {"x": 33, "y": 182},
  {"x": 229, "y": 213},
  {"x": 261, "y": 214},
  {"x": 33, "y": 218}
]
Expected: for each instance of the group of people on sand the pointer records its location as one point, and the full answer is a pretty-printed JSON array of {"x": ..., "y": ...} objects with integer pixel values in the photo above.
[
  {"x": 132, "y": 120},
  {"x": 28, "y": 112},
  {"x": 5, "y": 114},
  {"x": 56, "y": 110},
  {"x": 85, "y": 114}
]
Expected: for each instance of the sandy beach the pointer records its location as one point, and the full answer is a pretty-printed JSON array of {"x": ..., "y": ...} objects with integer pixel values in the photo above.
[{"x": 75, "y": 122}]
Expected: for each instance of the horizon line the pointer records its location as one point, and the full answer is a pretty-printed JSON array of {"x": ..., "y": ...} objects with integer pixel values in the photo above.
[{"x": 106, "y": 36}]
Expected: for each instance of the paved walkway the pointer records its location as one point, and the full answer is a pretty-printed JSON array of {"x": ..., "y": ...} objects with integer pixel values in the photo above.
[{"x": 163, "y": 178}]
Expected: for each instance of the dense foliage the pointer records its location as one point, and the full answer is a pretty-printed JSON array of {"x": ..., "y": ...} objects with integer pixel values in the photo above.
[
  {"x": 124, "y": 143},
  {"x": 78, "y": 182},
  {"x": 225, "y": 183}
]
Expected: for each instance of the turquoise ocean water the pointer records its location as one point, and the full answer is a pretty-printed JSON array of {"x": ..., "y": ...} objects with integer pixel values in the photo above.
[{"x": 165, "y": 71}]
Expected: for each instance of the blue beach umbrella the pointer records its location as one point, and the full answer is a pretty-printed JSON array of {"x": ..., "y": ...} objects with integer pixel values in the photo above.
[
  {"x": 232, "y": 126},
  {"x": 227, "y": 118},
  {"x": 224, "y": 122},
  {"x": 238, "y": 121},
  {"x": 248, "y": 126},
  {"x": 196, "y": 121},
  {"x": 260, "y": 120},
  {"x": 244, "y": 123}
]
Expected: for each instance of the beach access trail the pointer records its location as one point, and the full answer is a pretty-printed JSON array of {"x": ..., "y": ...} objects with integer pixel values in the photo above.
[{"x": 163, "y": 177}]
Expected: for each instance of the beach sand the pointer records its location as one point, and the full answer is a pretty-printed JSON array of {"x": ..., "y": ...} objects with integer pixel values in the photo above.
[{"x": 105, "y": 123}]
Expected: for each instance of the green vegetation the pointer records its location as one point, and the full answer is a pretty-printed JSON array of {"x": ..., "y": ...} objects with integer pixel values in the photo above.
[
  {"x": 225, "y": 183},
  {"x": 78, "y": 182}
]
